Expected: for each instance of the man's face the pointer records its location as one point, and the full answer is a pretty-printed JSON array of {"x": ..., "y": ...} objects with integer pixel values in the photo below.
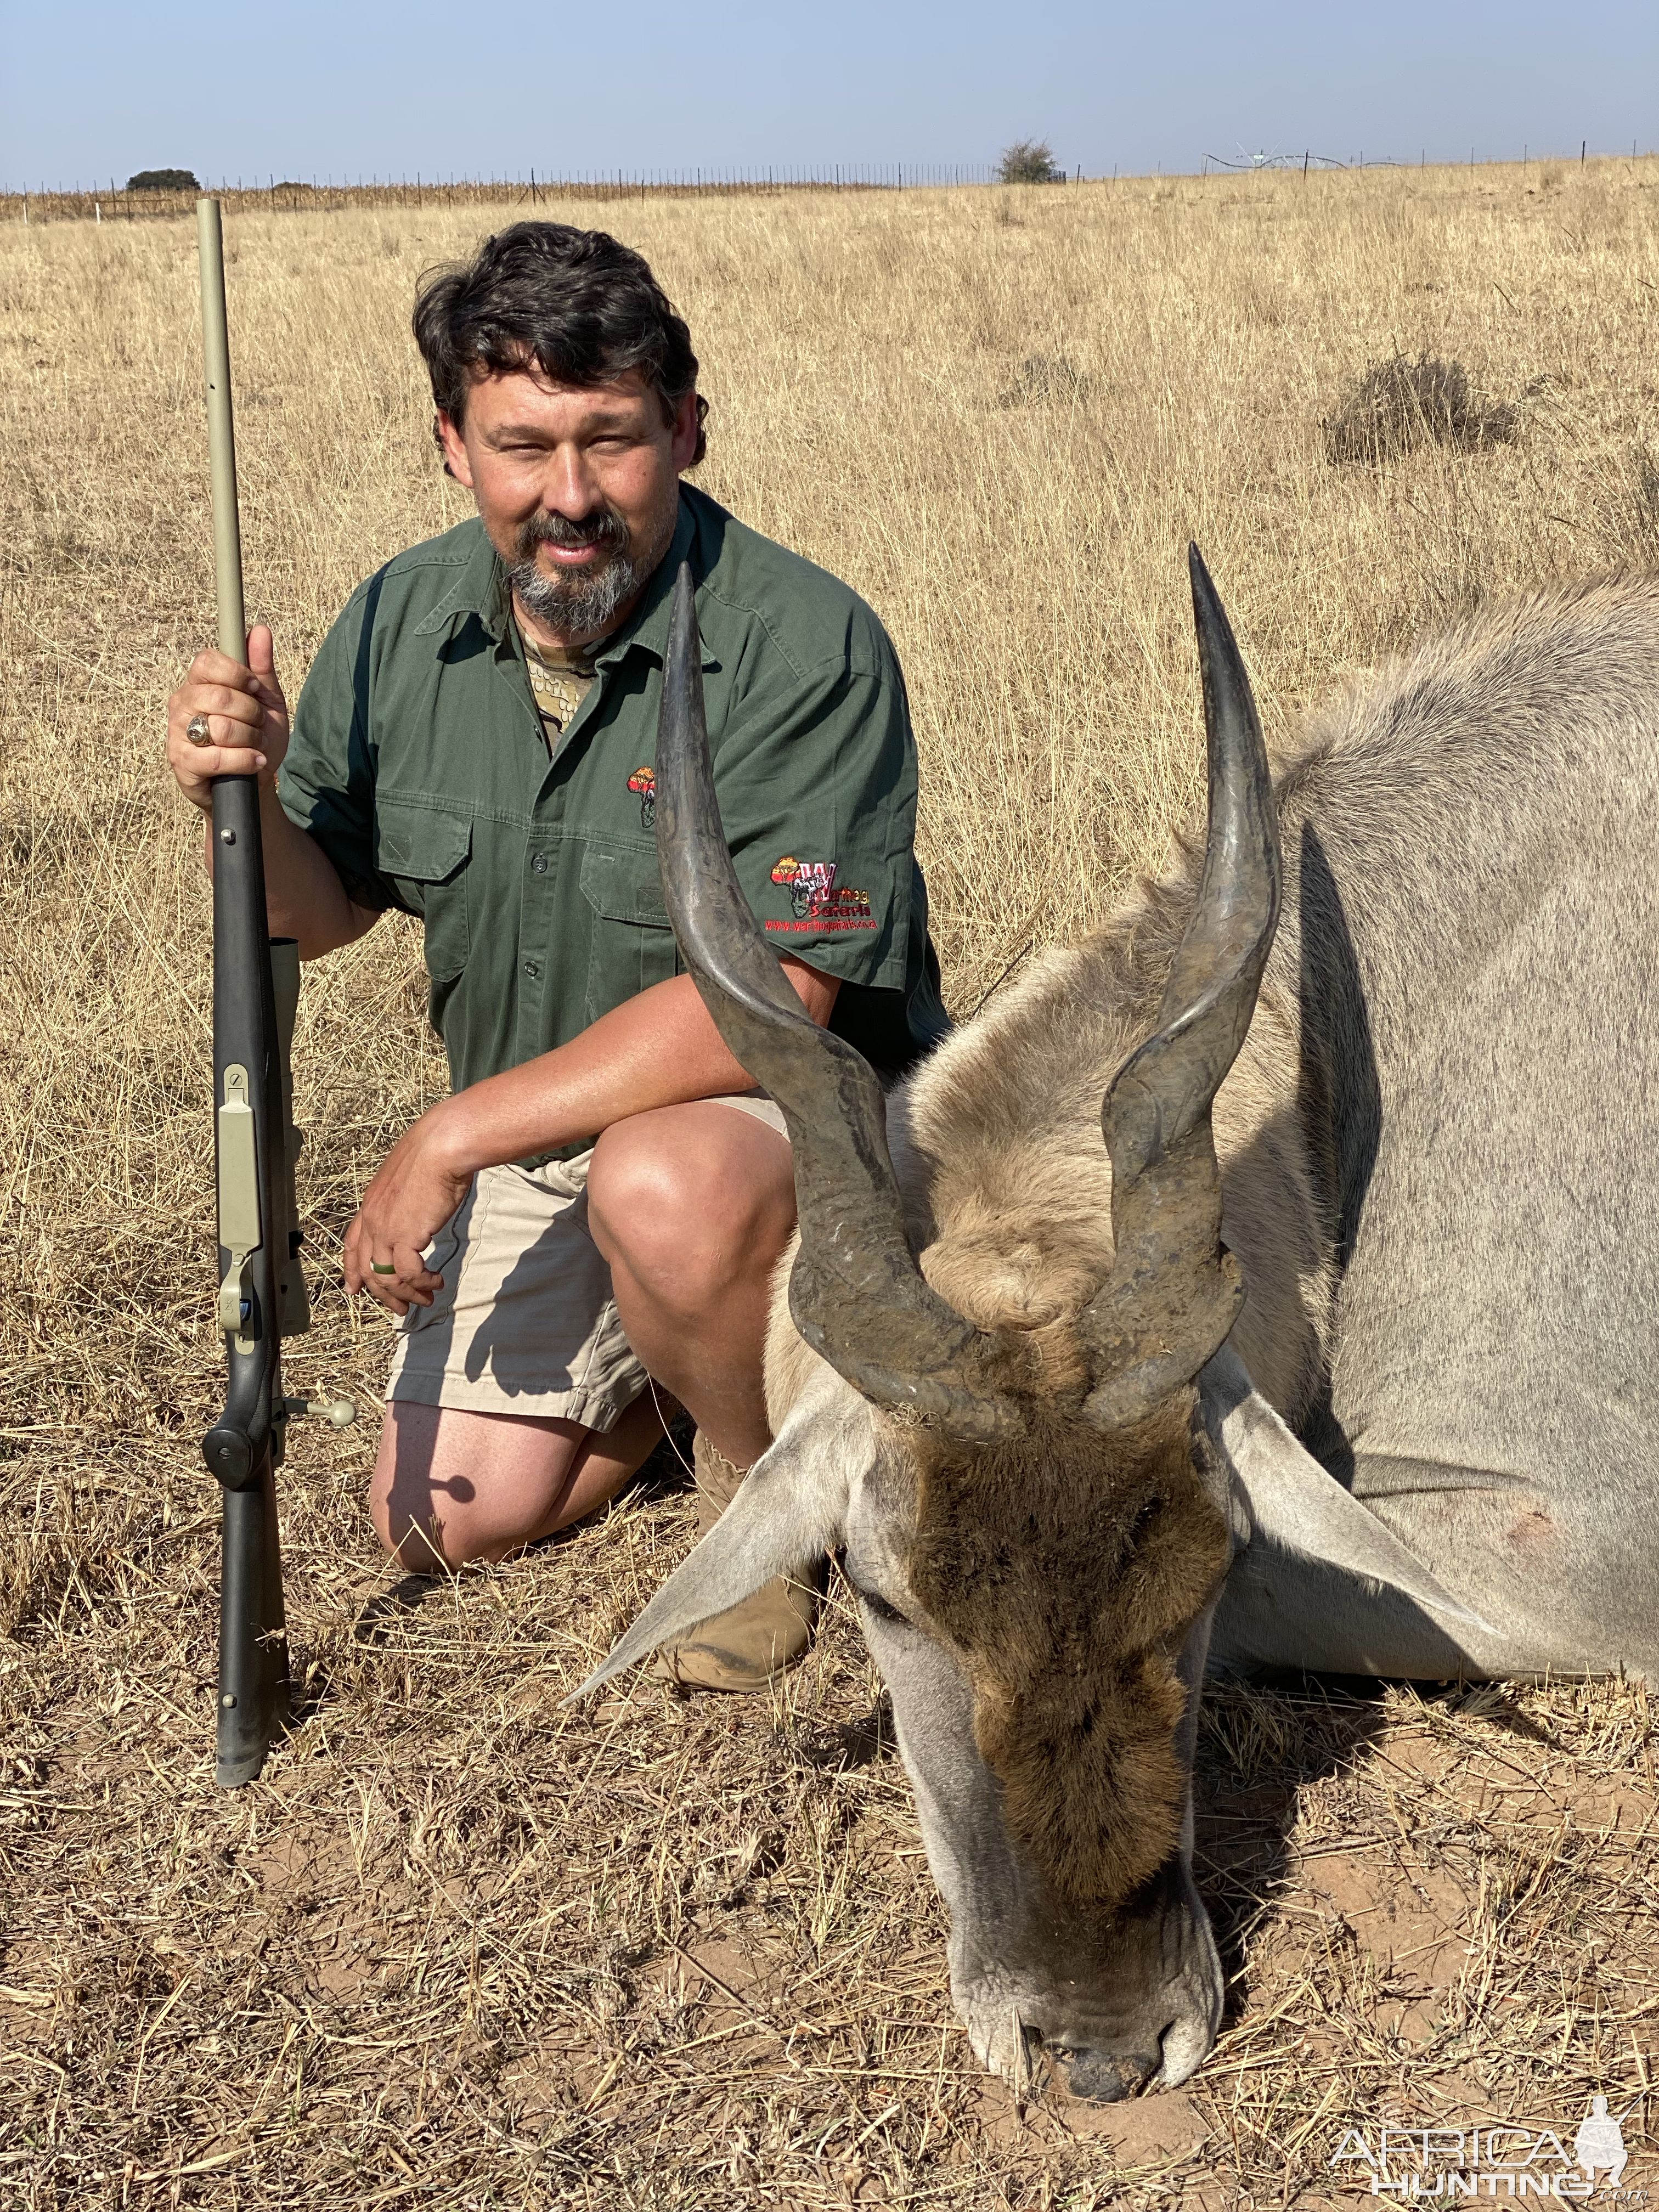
[{"x": 578, "y": 488}]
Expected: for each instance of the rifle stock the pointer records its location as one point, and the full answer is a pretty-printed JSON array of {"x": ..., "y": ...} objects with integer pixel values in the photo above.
[{"x": 262, "y": 1295}]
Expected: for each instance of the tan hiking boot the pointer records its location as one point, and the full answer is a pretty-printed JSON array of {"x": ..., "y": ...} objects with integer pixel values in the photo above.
[{"x": 750, "y": 1646}]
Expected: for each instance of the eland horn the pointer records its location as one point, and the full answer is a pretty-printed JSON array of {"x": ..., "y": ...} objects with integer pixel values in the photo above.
[
  {"x": 1175, "y": 1290},
  {"x": 857, "y": 1294}
]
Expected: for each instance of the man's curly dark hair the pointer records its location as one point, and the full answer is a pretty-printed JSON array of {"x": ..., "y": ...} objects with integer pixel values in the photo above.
[{"x": 576, "y": 304}]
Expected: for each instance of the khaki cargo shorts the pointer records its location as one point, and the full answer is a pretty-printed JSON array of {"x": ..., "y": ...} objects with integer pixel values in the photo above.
[{"x": 526, "y": 1323}]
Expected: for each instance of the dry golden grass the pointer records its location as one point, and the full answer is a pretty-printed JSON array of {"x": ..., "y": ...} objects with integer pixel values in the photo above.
[{"x": 459, "y": 1947}]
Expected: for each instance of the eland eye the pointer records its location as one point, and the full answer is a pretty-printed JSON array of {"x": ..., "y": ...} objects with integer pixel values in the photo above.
[{"x": 874, "y": 1603}]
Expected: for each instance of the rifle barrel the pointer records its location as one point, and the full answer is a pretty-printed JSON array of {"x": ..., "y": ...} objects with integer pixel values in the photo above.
[{"x": 221, "y": 431}]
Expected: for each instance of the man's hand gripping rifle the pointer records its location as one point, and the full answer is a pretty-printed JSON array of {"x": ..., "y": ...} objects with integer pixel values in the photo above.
[{"x": 262, "y": 1293}]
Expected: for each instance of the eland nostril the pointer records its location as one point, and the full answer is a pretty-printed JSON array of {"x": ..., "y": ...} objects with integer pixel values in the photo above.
[{"x": 1104, "y": 2076}]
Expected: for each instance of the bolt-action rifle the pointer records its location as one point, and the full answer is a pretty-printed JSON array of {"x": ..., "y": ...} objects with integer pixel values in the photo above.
[{"x": 262, "y": 1292}]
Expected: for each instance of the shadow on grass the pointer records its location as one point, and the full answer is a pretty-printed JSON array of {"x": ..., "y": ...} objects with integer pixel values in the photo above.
[
  {"x": 845, "y": 1746},
  {"x": 1260, "y": 1743},
  {"x": 381, "y": 1613}
]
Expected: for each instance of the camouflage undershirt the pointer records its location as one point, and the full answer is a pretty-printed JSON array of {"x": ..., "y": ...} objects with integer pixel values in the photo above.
[{"x": 561, "y": 679}]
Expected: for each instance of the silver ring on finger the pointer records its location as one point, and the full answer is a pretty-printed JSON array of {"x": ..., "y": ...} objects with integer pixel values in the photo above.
[{"x": 197, "y": 732}]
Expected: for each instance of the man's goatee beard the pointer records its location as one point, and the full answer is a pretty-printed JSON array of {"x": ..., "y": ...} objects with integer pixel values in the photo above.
[{"x": 579, "y": 605}]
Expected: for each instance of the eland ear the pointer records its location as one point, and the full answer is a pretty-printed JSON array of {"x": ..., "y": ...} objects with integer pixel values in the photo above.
[
  {"x": 1291, "y": 1501},
  {"x": 791, "y": 1507}
]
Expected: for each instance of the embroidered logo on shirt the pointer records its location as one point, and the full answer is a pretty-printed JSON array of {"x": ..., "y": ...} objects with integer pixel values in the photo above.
[
  {"x": 644, "y": 782},
  {"x": 817, "y": 901}
]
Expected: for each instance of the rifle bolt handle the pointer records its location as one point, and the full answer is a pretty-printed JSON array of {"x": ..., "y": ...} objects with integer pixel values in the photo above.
[{"x": 338, "y": 1412}]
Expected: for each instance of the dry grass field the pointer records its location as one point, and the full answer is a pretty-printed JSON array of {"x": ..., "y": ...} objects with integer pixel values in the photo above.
[{"x": 460, "y": 1947}]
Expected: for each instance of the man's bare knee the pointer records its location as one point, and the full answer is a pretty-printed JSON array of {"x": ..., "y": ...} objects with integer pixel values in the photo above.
[
  {"x": 406, "y": 1500},
  {"x": 634, "y": 1195},
  {"x": 451, "y": 1486},
  {"x": 689, "y": 1210}
]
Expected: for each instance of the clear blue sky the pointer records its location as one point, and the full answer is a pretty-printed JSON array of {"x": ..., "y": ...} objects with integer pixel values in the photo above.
[{"x": 89, "y": 90}]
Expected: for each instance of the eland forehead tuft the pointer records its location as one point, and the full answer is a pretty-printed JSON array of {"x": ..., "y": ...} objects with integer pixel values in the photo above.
[{"x": 1066, "y": 1566}]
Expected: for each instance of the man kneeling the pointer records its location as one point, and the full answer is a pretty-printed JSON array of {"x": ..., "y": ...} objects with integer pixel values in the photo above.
[{"x": 603, "y": 1199}]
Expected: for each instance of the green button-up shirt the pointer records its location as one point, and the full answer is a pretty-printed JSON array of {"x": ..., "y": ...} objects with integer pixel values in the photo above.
[{"x": 418, "y": 764}]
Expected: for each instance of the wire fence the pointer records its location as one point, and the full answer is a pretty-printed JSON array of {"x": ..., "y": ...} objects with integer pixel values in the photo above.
[
  {"x": 296, "y": 196},
  {"x": 329, "y": 195}
]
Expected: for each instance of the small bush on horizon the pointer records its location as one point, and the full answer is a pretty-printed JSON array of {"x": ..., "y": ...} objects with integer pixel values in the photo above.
[
  {"x": 163, "y": 180},
  {"x": 1028, "y": 161}
]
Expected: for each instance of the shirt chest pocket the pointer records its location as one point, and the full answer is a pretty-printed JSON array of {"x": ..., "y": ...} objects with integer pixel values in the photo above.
[
  {"x": 425, "y": 853},
  {"x": 633, "y": 942}
]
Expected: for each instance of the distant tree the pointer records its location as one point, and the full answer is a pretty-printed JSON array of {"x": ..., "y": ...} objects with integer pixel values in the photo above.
[
  {"x": 163, "y": 180},
  {"x": 1028, "y": 161}
]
